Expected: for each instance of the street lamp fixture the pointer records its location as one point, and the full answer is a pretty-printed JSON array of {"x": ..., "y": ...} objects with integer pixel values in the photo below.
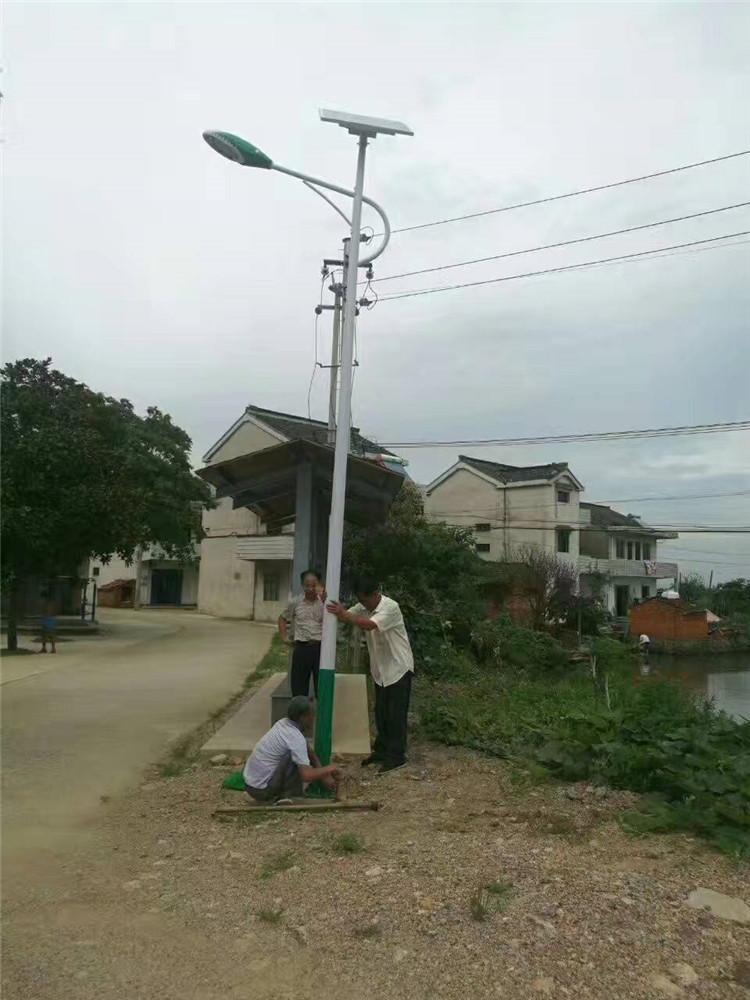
[{"x": 242, "y": 152}]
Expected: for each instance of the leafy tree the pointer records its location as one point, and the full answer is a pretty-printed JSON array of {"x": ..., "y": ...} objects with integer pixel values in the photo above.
[
  {"x": 84, "y": 476},
  {"x": 431, "y": 569},
  {"x": 693, "y": 589}
]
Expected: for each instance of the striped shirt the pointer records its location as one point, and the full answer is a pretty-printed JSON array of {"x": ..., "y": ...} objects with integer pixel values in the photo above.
[{"x": 306, "y": 618}]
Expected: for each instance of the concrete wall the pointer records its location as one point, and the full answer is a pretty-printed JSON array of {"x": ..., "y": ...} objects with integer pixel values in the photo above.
[
  {"x": 115, "y": 569},
  {"x": 246, "y": 439},
  {"x": 281, "y": 571},
  {"x": 227, "y": 583}
]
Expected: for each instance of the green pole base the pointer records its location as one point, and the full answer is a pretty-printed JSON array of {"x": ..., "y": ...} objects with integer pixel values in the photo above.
[
  {"x": 316, "y": 791},
  {"x": 324, "y": 720}
]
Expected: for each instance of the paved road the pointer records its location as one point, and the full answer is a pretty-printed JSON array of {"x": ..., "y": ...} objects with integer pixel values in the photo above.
[{"x": 86, "y": 722}]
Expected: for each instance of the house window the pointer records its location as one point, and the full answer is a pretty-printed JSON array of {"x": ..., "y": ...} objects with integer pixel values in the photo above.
[
  {"x": 483, "y": 547},
  {"x": 630, "y": 550},
  {"x": 620, "y": 546},
  {"x": 270, "y": 587},
  {"x": 645, "y": 592},
  {"x": 563, "y": 496},
  {"x": 637, "y": 550},
  {"x": 563, "y": 540},
  {"x": 482, "y": 527},
  {"x": 95, "y": 571},
  {"x": 647, "y": 550}
]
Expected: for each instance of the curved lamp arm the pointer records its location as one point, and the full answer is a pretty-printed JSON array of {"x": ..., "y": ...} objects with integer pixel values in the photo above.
[{"x": 316, "y": 182}]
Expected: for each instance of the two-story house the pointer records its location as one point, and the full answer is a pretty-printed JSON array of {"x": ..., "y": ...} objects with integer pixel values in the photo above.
[
  {"x": 620, "y": 552},
  {"x": 246, "y": 564},
  {"x": 509, "y": 506}
]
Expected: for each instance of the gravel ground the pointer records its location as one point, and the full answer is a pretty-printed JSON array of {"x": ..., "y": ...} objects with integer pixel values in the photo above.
[{"x": 180, "y": 905}]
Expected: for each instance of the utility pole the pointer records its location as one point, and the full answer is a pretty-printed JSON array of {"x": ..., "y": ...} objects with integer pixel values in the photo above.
[{"x": 338, "y": 289}]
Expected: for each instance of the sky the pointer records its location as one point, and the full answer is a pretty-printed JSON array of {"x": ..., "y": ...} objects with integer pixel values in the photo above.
[{"x": 150, "y": 268}]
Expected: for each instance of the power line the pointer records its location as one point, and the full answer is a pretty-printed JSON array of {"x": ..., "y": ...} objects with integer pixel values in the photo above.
[
  {"x": 559, "y": 270},
  {"x": 651, "y": 432},
  {"x": 564, "y": 243},
  {"x": 573, "y": 194}
]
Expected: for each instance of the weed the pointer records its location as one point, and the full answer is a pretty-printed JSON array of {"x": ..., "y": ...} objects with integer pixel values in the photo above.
[
  {"x": 170, "y": 769},
  {"x": 348, "y": 843},
  {"x": 270, "y": 916},
  {"x": 479, "y": 906},
  {"x": 499, "y": 890},
  {"x": 277, "y": 863},
  {"x": 368, "y": 932}
]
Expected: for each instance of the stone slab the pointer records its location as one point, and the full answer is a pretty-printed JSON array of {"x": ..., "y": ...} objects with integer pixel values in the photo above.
[{"x": 351, "y": 727}]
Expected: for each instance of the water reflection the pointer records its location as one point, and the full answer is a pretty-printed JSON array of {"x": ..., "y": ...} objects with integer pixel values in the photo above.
[{"x": 724, "y": 677}]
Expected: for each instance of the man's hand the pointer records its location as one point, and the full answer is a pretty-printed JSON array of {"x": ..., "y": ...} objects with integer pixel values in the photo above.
[{"x": 337, "y": 609}]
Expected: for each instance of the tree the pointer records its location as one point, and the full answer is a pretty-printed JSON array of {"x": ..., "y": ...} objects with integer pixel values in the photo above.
[
  {"x": 84, "y": 476},
  {"x": 693, "y": 589},
  {"x": 549, "y": 585},
  {"x": 431, "y": 569}
]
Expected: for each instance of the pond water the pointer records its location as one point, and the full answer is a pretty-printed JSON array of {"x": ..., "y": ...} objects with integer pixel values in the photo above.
[{"x": 725, "y": 677}]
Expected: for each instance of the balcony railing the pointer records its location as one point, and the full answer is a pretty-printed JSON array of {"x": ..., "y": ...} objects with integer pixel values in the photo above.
[{"x": 628, "y": 567}]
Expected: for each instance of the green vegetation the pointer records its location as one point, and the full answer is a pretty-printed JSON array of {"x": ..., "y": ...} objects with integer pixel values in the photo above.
[
  {"x": 348, "y": 843},
  {"x": 368, "y": 932},
  {"x": 512, "y": 692},
  {"x": 281, "y": 862},
  {"x": 692, "y": 761},
  {"x": 491, "y": 898},
  {"x": 270, "y": 916}
]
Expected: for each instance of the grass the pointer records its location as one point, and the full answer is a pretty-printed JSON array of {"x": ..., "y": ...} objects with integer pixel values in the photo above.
[
  {"x": 368, "y": 933},
  {"x": 491, "y": 898},
  {"x": 270, "y": 916},
  {"x": 348, "y": 843},
  {"x": 654, "y": 738},
  {"x": 281, "y": 862}
]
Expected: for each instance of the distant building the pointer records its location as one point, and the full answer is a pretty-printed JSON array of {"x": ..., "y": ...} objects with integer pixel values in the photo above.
[
  {"x": 620, "y": 552},
  {"x": 159, "y": 580},
  {"x": 669, "y": 619},
  {"x": 508, "y": 506}
]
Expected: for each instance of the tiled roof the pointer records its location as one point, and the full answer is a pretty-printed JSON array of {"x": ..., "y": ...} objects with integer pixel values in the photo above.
[
  {"x": 605, "y": 517},
  {"x": 294, "y": 427},
  {"x": 515, "y": 473}
]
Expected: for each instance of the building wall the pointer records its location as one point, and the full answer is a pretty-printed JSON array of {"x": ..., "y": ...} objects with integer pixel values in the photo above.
[
  {"x": 246, "y": 439},
  {"x": 659, "y": 621},
  {"x": 531, "y": 513},
  {"x": 227, "y": 583},
  {"x": 115, "y": 569},
  {"x": 277, "y": 574}
]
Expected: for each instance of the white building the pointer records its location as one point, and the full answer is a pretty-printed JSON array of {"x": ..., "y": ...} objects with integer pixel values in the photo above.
[
  {"x": 159, "y": 581},
  {"x": 508, "y": 506},
  {"x": 246, "y": 565}
]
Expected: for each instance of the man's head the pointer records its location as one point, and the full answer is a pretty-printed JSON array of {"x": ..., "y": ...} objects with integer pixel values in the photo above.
[
  {"x": 301, "y": 711},
  {"x": 367, "y": 590},
  {"x": 310, "y": 583}
]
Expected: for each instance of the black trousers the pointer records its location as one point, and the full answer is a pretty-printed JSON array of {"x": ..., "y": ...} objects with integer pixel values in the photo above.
[
  {"x": 305, "y": 661},
  {"x": 391, "y": 711},
  {"x": 284, "y": 783}
]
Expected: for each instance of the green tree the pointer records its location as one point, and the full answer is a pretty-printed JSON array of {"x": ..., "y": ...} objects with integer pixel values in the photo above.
[{"x": 84, "y": 476}]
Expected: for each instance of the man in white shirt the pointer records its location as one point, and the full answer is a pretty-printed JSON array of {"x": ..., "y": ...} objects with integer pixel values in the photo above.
[
  {"x": 280, "y": 765},
  {"x": 391, "y": 666}
]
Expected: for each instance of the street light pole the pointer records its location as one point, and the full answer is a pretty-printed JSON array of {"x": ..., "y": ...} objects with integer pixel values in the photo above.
[
  {"x": 335, "y": 348},
  {"x": 240, "y": 151},
  {"x": 338, "y": 490}
]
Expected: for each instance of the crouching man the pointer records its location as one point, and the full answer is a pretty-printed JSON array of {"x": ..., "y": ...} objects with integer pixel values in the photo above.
[{"x": 282, "y": 763}]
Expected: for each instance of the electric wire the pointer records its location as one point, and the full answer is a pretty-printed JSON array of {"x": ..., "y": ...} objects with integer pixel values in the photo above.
[
  {"x": 572, "y": 194},
  {"x": 560, "y": 270},
  {"x": 564, "y": 243},
  {"x": 650, "y": 432}
]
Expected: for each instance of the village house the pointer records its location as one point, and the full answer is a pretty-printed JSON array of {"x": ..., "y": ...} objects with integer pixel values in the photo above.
[
  {"x": 507, "y": 507},
  {"x": 246, "y": 561},
  {"x": 158, "y": 581},
  {"x": 669, "y": 619}
]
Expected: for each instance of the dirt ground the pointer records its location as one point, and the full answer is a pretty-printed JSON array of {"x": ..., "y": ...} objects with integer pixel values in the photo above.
[{"x": 177, "y": 904}]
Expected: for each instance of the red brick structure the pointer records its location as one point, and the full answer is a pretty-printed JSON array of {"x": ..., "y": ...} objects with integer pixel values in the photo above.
[
  {"x": 117, "y": 594},
  {"x": 661, "y": 618}
]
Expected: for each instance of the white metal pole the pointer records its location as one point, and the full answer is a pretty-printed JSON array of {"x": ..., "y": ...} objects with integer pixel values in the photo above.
[{"x": 338, "y": 491}]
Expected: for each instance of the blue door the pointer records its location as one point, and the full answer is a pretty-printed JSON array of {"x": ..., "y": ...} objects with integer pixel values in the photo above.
[{"x": 166, "y": 586}]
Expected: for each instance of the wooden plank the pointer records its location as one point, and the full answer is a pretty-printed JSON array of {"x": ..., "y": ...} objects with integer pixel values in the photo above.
[{"x": 322, "y": 806}]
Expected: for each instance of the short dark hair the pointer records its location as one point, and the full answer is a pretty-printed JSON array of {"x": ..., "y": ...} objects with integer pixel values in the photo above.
[
  {"x": 309, "y": 572},
  {"x": 299, "y": 706},
  {"x": 366, "y": 584}
]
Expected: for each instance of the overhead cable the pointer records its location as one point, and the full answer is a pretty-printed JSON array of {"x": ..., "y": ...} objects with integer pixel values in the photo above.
[
  {"x": 573, "y": 194},
  {"x": 650, "y": 432},
  {"x": 564, "y": 243},
  {"x": 559, "y": 270}
]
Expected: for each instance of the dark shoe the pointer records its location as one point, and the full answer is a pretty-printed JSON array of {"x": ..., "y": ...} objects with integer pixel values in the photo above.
[
  {"x": 391, "y": 767},
  {"x": 372, "y": 759}
]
